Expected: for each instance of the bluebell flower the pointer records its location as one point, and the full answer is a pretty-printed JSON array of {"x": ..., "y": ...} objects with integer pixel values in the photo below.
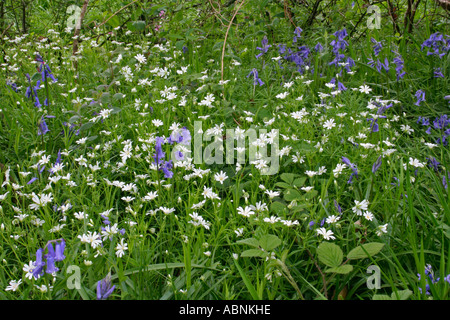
[
  {"x": 166, "y": 169},
  {"x": 337, "y": 207},
  {"x": 256, "y": 79},
  {"x": 353, "y": 167},
  {"x": 399, "y": 65},
  {"x": 50, "y": 256},
  {"x": 32, "y": 180},
  {"x": 438, "y": 73},
  {"x": 376, "y": 47},
  {"x": 43, "y": 128},
  {"x": 11, "y": 85},
  {"x": 437, "y": 45},
  {"x": 265, "y": 47},
  {"x": 420, "y": 95},
  {"x": 104, "y": 288},
  {"x": 59, "y": 251},
  {"x": 44, "y": 69},
  {"x": 377, "y": 164},
  {"x": 318, "y": 47},
  {"x": 433, "y": 163},
  {"x": 341, "y": 86},
  {"x": 38, "y": 264},
  {"x": 159, "y": 155},
  {"x": 297, "y": 33}
]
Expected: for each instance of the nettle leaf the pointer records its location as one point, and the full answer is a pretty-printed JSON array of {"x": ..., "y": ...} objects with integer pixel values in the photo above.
[
  {"x": 330, "y": 254},
  {"x": 291, "y": 194},
  {"x": 359, "y": 252},
  {"x": 252, "y": 242},
  {"x": 269, "y": 242},
  {"x": 344, "y": 269},
  {"x": 254, "y": 253}
]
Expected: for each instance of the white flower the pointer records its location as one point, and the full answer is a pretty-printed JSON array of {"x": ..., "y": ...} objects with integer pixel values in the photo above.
[
  {"x": 327, "y": 234},
  {"x": 407, "y": 129},
  {"x": 339, "y": 168},
  {"x": 272, "y": 219},
  {"x": 13, "y": 285},
  {"x": 310, "y": 173},
  {"x": 167, "y": 210},
  {"x": 282, "y": 95},
  {"x": 121, "y": 248},
  {"x": 141, "y": 58},
  {"x": 329, "y": 124},
  {"x": 381, "y": 229},
  {"x": 415, "y": 163},
  {"x": 368, "y": 215},
  {"x": 365, "y": 89},
  {"x": 272, "y": 194},
  {"x": 150, "y": 196},
  {"x": 360, "y": 207},
  {"x": 332, "y": 219},
  {"x": 28, "y": 268},
  {"x": 3, "y": 196},
  {"x": 220, "y": 177},
  {"x": 246, "y": 212}
]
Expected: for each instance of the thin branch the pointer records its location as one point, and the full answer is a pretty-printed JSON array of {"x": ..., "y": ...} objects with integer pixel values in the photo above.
[
  {"x": 226, "y": 36},
  {"x": 101, "y": 24}
]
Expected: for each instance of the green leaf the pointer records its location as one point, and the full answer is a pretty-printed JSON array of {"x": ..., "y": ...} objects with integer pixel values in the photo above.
[
  {"x": 344, "y": 269},
  {"x": 138, "y": 25},
  {"x": 330, "y": 254},
  {"x": 381, "y": 297},
  {"x": 118, "y": 96},
  {"x": 252, "y": 242},
  {"x": 277, "y": 207},
  {"x": 299, "y": 182},
  {"x": 402, "y": 294},
  {"x": 86, "y": 126},
  {"x": 36, "y": 76},
  {"x": 250, "y": 253},
  {"x": 269, "y": 242},
  {"x": 288, "y": 177},
  {"x": 74, "y": 119},
  {"x": 106, "y": 97},
  {"x": 359, "y": 252},
  {"x": 291, "y": 194},
  {"x": 282, "y": 185},
  {"x": 247, "y": 282}
]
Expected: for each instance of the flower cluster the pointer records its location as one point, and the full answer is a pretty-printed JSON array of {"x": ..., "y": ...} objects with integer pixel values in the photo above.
[{"x": 54, "y": 254}]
